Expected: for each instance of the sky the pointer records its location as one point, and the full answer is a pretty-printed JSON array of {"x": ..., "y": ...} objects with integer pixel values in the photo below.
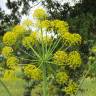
[{"x": 3, "y": 6}]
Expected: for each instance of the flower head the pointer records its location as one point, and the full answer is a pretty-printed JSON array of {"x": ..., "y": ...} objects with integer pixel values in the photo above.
[
  {"x": 28, "y": 41},
  {"x": 40, "y": 14},
  {"x": 61, "y": 77},
  {"x": 74, "y": 59},
  {"x": 19, "y": 31},
  {"x": 12, "y": 62},
  {"x": 71, "y": 39},
  {"x": 71, "y": 88},
  {"x": 32, "y": 72},
  {"x": 9, "y": 39},
  {"x": 7, "y": 51},
  {"x": 45, "y": 24},
  {"x": 9, "y": 75},
  {"x": 60, "y": 26},
  {"x": 60, "y": 57}
]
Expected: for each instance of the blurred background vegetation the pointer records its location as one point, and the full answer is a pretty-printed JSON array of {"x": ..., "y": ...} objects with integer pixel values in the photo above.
[{"x": 81, "y": 18}]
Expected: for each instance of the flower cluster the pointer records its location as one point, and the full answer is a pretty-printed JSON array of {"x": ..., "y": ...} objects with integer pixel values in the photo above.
[
  {"x": 40, "y": 14},
  {"x": 60, "y": 26},
  {"x": 45, "y": 24},
  {"x": 28, "y": 41},
  {"x": 19, "y": 30},
  {"x": 32, "y": 72},
  {"x": 71, "y": 39},
  {"x": 60, "y": 57},
  {"x": 7, "y": 51},
  {"x": 74, "y": 59},
  {"x": 71, "y": 88},
  {"x": 61, "y": 77},
  {"x": 9, "y": 39},
  {"x": 9, "y": 75},
  {"x": 12, "y": 62}
]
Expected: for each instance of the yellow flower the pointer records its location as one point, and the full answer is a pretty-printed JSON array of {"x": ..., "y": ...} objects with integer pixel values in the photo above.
[
  {"x": 34, "y": 35},
  {"x": 45, "y": 24},
  {"x": 9, "y": 39},
  {"x": 74, "y": 59},
  {"x": 32, "y": 72},
  {"x": 19, "y": 31},
  {"x": 9, "y": 75},
  {"x": 12, "y": 62},
  {"x": 60, "y": 58},
  {"x": 7, "y": 51},
  {"x": 28, "y": 41},
  {"x": 36, "y": 74},
  {"x": 60, "y": 26},
  {"x": 27, "y": 22},
  {"x": 40, "y": 14},
  {"x": 71, "y": 88},
  {"x": 61, "y": 77},
  {"x": 71, "y": 39}
]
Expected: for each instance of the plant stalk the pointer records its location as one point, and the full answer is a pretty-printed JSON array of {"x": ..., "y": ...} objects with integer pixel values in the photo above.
[{"x": 45, "y": 85}]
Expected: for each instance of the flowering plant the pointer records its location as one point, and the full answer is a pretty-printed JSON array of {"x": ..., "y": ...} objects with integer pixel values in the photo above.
[{"x": 45, "y": 52}]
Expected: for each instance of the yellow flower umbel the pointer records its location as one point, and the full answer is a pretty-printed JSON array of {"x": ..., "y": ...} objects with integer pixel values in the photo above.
[
  {"x": 9, "y": 39},
  {"x": 34, "y": 35},
  {"x": 60, "y": 58},
  {"x": 19, "y": 31},
  {"x": 36, "y": 74},
  {"x": 60, "y": 26},
  {"x": 46, "y": 24},
  {"x": 40, "y": 14},
  {"x": 74, "y": 59},
  {"x": 12, "y": 62},
  {"x": 71, "y": 88},
  {"x": 61, "y": 77},
  {"x": 7, "y": 51},
  {"x": 9, "y": 75},
  {"x": 32, "y": 72},
  {"x": 28, "y": 42},
  {"x": 71, "y": 39}
]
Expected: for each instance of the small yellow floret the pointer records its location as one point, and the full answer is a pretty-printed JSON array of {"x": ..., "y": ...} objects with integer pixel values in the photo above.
[
  {"x": 60, "y": 57},
  {"x": 9, "y": 39},
  {"x": 32, "y": 72},
  {"x": 12, "y": 62},
  {"x": 71, "y": 39},
  {"x": 7, "y": 51},
  {"x": 74, "y": 59},
  {"x": 28, "y": 41},
  {"x": 71, "y": 88},
  {"x": 61, "y": 77},
  {"x": 40, "y": 14}
]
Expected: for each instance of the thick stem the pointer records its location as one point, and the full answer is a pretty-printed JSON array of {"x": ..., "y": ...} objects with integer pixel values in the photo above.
[{"x": 45, "y": 85}]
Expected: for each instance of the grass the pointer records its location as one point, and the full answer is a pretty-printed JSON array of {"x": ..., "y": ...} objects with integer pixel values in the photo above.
[{"x": 16, "y": 87}]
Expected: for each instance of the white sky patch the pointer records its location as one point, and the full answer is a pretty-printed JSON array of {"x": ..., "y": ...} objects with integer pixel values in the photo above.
[{"x": 3, "y": 6}]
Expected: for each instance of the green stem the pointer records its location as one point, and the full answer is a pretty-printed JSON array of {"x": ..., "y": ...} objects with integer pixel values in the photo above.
[
  {"x": 45, "y": 86},
  {"x": 7, "y": 90}
]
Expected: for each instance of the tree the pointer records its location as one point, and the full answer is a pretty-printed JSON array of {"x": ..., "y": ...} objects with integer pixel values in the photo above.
[
  {"x": 81, "y": 17},
  {"x": 18, "y": 9}
]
